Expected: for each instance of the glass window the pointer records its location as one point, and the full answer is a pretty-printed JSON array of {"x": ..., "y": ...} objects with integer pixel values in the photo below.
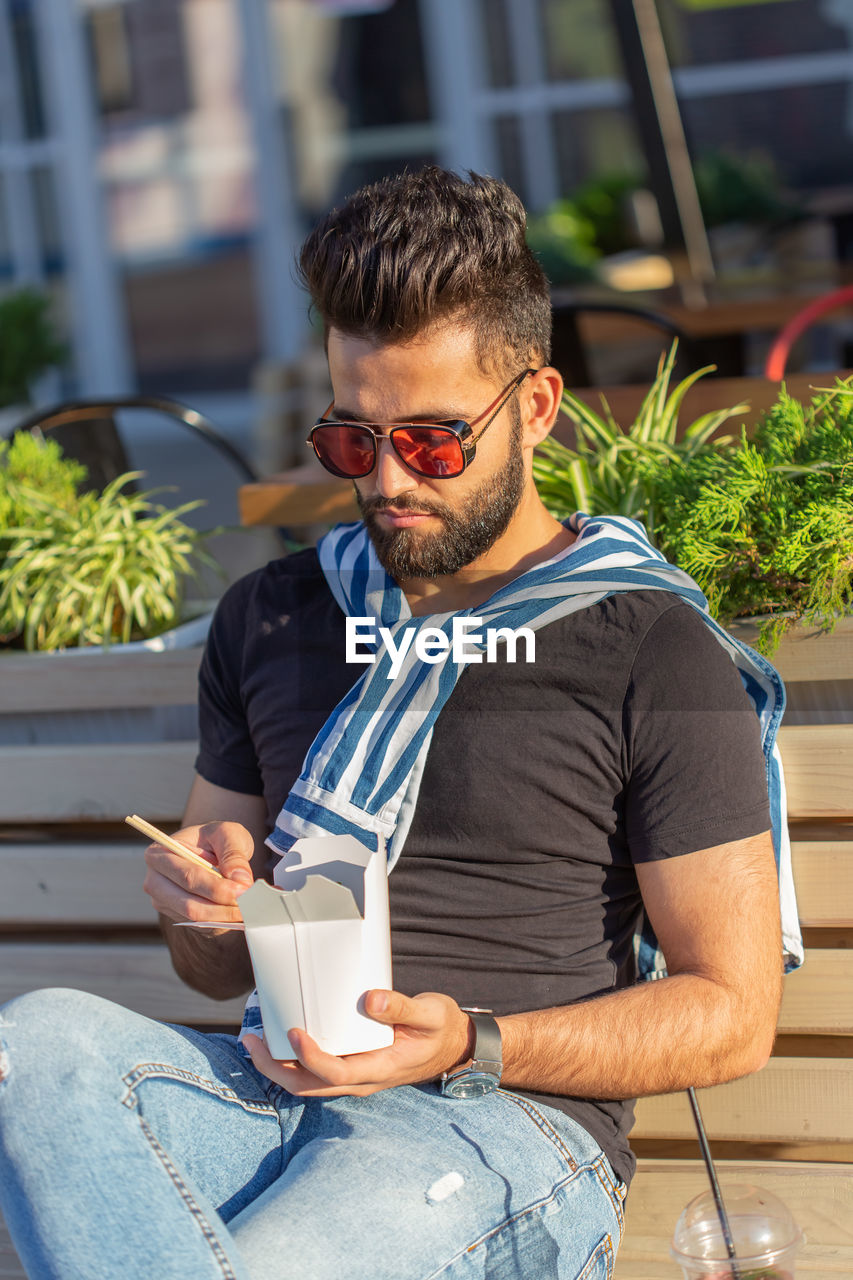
[
  {"x": 6, "y": 264},
  {"x": 29, "y": 78},
  {"x": 47, "y": 219},
  {"x": 177, "y": 157},
  {"x": 354, "y": 96},
  {"x": 509, "y": 148},
  {"x": 378, "y": 70},
  {"x": 594, "y": 143},
  {"x": 788, "y": 125},
  {"x": 698, "y": 36},
  {"x": 139, "y": 58},
  {"x": 579, "y": 40},
  {"x": 496, "y": 41}
]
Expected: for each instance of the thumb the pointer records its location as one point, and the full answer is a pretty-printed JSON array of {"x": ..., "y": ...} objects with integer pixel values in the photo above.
[
  {"x": 390, "y": 1007},
  {"x": 233, "y": 846}
]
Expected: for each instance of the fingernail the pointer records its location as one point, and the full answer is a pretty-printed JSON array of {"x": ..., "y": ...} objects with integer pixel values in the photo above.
[
  {"x": 242, "y": 876},
  {"x": 379, "y": 1002}
]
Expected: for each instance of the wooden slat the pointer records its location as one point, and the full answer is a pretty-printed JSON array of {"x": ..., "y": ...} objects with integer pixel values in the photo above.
[
  {"x": 791, "y": 1099},
  {"x": 302, "y": 496},
  {"x": 820, "y": 1198},
  {"x": 136, "y": 975},
  {"x": 823, "y": 875},
  {"x": 806, "y": 653},
  {"x": 818, "y": 998},
  {"x": 74, "y": 885},
  {"x": 818, "y": 762},
  {"x": 57, "y": 784},
  {"x": 94, "y": 680}
]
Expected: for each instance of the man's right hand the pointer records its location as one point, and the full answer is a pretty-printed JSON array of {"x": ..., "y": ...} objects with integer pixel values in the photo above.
[
  {"x": 180, "y": 890},
  {"x": 214, "y": 961}
]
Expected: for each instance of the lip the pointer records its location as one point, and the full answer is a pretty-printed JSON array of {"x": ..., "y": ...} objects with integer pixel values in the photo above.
[{"x": 403, "y": 519}]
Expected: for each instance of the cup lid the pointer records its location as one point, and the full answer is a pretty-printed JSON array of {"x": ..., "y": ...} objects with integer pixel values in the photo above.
[{"x": 762, "y": 1227}]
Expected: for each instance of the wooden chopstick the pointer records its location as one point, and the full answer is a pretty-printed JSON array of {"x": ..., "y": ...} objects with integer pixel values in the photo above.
[{"x": 169, "y": 842}]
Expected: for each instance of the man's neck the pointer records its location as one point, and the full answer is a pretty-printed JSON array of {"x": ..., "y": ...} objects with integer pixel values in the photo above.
[{"x": 508, "y": 559}]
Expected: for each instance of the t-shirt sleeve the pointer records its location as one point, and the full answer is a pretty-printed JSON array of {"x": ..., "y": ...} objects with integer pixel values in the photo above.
[
  {"x": 695, "y": 766},
  {"x": 226, "y": 754}
]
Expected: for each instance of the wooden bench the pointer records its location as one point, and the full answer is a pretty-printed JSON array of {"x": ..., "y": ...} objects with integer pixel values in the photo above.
[
  {"x": 789, "y": 1128},
  {"x": 72, "y": 913},
  {"x": 72, "y": 909}
]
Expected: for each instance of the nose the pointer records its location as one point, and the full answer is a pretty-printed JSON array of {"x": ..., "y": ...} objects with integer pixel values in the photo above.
[{"x": 391, "y": 475}]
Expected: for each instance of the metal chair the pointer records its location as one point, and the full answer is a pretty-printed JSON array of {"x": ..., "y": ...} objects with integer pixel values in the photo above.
[
  {"x": 569, "y": 353},
  {"x": 87, "y": 431},
  {"x": 777, "y": 357}
]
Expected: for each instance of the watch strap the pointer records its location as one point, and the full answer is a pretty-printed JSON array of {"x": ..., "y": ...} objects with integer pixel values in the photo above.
[{"x": 488, "y": 1054}]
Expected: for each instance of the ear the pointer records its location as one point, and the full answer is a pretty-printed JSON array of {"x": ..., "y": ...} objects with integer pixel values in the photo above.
[{"x": 542, "y": 393}]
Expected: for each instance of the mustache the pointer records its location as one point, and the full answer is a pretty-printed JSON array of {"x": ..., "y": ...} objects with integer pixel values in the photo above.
[{"x": 372, "y": 506}]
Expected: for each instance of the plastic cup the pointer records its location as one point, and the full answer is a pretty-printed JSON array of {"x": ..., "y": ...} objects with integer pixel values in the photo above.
[{"x": 764, "y": 1234}]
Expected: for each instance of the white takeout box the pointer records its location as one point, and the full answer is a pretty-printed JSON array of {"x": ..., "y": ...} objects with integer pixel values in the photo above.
[{"x": 319, "y": 939}]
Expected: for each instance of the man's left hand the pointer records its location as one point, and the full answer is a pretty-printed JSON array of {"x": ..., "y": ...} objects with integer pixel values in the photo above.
[{"x": 431, "y": 1035}]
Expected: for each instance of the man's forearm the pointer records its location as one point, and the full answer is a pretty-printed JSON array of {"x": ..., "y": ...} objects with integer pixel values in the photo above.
[
  {"x": 218, "y": 965},
  {"x": 655, "y": 1037}
]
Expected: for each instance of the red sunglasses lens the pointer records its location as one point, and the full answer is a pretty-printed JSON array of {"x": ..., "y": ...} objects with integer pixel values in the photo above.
[
  {"x": 346, "y": 451},
  {"x": 431, "y": 451}
]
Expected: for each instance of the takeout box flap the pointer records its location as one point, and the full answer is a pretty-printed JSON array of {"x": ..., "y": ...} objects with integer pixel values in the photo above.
[{"x": 320, "y": 899}]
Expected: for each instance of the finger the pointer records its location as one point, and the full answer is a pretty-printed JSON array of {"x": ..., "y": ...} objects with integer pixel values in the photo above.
[
  {"x": 233, "y": 847},
  {"x": 394, "y": 1009},
  {"x": 326, "y": 1067},
  {"x": 178, "y": 903},
  {"x": 190, "y": 878},
  {"x": 258, "y": 1050},
  {"x": 297, "y": 1079}
]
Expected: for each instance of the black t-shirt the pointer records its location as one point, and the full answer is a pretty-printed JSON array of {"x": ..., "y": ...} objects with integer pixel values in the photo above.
[{"x": 628, "y": 740}]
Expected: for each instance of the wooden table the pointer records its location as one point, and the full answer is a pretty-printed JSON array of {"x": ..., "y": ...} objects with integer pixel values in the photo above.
[{"x": 714, "y": 334}]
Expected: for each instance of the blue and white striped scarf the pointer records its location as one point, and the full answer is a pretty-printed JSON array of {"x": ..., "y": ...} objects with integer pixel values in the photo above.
[{"x": 362, "y": 774}]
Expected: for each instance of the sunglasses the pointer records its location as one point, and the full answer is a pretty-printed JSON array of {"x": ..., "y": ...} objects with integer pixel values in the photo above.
[{"x": 435, "y": 450}]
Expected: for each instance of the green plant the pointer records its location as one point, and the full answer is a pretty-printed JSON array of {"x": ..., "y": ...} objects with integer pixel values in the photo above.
[
  {"x": 602, "y": 201},
  {"x": 765, "y": 526},
  {"x": 564, "y": 242},
  {"x": 28, "y": 462},
  {"x": 28, "y": 344},
  {"x": 617, "y": 470},
  {"x": 733, "y": 188},
  {"x": 86, "y": 568}
]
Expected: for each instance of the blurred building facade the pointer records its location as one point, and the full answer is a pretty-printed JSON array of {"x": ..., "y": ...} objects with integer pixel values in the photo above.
[{"x": 160, "y": 160}]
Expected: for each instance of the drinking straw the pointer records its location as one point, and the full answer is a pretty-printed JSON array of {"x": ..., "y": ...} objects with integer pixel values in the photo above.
[{"x": 715, "y": 1185}]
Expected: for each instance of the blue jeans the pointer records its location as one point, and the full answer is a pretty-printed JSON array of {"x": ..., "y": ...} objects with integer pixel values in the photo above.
[{"x": 136, "y": 1149}]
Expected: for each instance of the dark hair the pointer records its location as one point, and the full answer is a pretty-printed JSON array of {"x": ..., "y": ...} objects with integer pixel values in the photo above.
[{"x": 422, "y": 247}]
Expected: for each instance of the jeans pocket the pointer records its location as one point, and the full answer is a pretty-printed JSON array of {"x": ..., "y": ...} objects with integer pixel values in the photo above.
[
  {"x": 599, "y": 1265},
  {"x": 545, "y": 1127}
]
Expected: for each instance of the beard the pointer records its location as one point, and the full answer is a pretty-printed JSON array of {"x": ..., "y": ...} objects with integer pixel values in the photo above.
[{"x": 466, "y": 534}]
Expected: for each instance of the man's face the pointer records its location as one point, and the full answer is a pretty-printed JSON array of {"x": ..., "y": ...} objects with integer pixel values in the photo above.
[{"x": 425, "y": 528}]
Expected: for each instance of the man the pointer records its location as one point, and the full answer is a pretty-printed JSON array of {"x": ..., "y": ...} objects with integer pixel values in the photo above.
[{"x": 534, "y": 811}]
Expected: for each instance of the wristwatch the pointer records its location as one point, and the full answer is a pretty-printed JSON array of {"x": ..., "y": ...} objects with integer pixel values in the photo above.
[{"x": 483, "y": 1073}]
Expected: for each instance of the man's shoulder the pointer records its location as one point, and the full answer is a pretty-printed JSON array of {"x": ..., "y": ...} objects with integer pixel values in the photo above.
[
  {"x": 294, "y": 576},
  {"x": 623, "y": 619},
  {"x": 272, "y": 596}
]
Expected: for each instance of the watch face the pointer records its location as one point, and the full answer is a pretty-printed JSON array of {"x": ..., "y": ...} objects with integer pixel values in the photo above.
[{"x": 471, "y": 1084}]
